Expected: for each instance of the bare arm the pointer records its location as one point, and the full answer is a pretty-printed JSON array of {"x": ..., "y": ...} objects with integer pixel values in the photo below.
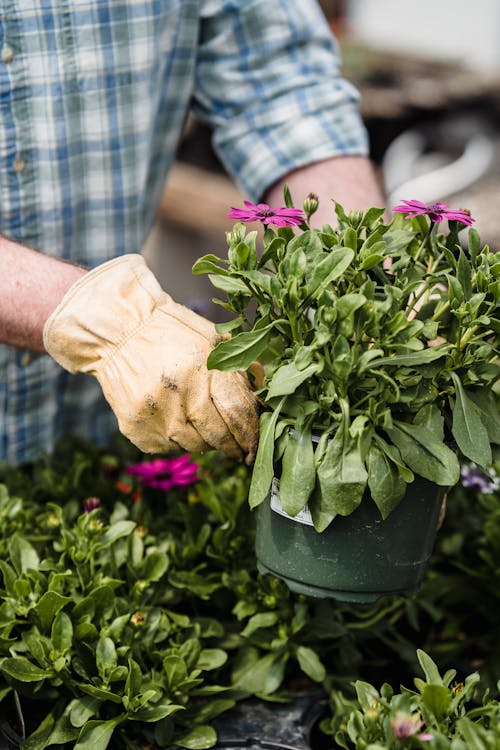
[
  {"x": 31, "y": 286},
  {"x": 349, "y": 180}
]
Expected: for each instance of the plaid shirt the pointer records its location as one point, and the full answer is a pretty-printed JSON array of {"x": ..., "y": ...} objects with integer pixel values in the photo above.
[{"x": 93, "y": 98}]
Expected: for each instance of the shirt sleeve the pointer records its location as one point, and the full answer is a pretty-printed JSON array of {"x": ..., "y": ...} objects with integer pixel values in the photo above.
[{"x": 268, "y": 82}]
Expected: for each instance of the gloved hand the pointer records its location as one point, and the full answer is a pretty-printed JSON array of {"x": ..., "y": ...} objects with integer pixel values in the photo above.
[{"x": 149, "y": 355}]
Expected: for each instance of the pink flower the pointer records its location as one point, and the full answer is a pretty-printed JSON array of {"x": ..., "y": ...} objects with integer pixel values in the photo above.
[
  {"x": 280, "y": 217},
  {"x": 436, "y": 212},
  {"x": 407, "y": 725},
  {"x": 165, "y": 473}
]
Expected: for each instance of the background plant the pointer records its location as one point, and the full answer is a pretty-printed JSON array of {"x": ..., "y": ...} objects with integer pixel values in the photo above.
[
  {"x": 150, "y": 603},
  {"x": 441, "y": 714},
  {"x": 380, "y": 337}
]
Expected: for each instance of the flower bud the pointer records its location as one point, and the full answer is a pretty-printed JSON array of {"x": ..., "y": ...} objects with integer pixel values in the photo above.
[
  {"x": 311, "y": 204},
  {"x": 137, "y": 619},
  {"x": 90, "y": 504}
]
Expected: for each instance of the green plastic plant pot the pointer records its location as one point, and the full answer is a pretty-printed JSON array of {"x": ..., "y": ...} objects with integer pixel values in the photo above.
[{"x": 359, "y": 557}]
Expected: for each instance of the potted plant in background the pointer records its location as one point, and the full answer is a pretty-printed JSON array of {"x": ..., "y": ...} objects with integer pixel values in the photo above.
[{"x": 379, "y": 343}]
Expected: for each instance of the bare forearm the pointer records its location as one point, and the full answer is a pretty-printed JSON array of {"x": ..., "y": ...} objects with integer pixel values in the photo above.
[
  {"x": 349, "y": 180},
  {"x": 31, "y": 286}
]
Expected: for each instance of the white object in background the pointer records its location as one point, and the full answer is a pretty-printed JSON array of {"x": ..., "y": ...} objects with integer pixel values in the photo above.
[
  {"x": 404, "y": 171},
  {"x": 455, "y": 31}
]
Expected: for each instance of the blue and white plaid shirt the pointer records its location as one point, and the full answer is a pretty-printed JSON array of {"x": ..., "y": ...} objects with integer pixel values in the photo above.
[{"x": 93, "y": 98}]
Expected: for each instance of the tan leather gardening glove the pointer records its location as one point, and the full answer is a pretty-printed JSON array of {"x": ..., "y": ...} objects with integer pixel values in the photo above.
[{"x": 149, "y": 355}]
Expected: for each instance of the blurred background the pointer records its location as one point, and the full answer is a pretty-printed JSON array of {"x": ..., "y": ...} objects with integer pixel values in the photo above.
[{"x": 429, "y": 78}]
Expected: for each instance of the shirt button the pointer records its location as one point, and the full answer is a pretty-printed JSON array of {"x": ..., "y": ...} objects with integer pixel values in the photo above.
[
  {"x": 19, "y": 165},
  {"x": 7, "y": 55},
  {"x": 26, "y": 358}
]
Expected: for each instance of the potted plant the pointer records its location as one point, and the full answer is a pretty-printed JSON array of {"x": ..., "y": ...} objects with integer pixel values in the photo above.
[{"x": 379, "y": 343}]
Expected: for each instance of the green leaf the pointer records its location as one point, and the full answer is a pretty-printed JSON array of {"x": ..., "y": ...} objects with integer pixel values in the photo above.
[
  {"x": 329, "y": 268},
  {"x": 47, "y": 608},
  {"x": 39, "y": 739},
  {"x": 387, "y": 486},
  {"x": 271, "y": 251},
  {"x": 423, "y": 357},
  {"x": 99, "y": 693},
  {"x": 105, "y": 655},
  {"x": 258, "y": 621},
  {"x": 263, "y": 676},
  {"x": 23, "y": 670},
  {"x": 427, "y": 458},
  {"x": 96, "y": 735},
  {"x": 298, "y": 475},
  {"x": 342, "y": 476},
  {"x": 464, "y": 275},
  {"x": 23, "y": 555},
  {"x": 263, "y": 469},
  {"x": 240, "y": 351},
  {"x": 395, "y": 456},
  {"x": 62, "y": 632},
  {"x": 288, "y": 378},
  {"x": 116, "y": 531},
  {"x": 209, "y": 264},
  {"x": 287, "y": 196},
  {"x": 430, "y": 416},
  {"x": 350, "y": 238},
  {"x": 489, "y": 412},
  {"x": 81, "y": 709},
  {"x": 99, "y": 603},
  {"x": 175, "y": 669},
  {"x": 155, "y": 713},
  {"x": 134, "y": 679},
  {"x": 429, "y": 668},
  {"x": 154, "y": 566},
  {"x": 436, "y": 699},
  {"x": 258, "y": 279},
  {"x": 310, "y": 663},
  {"x": 366, "y": 693},
  {"x": 309, "y": 242},
  {"x": 199, "y": 738},
  {"x": 229, "y": 284},
  {"x": 474, "y": 244},
  {"x": 63, "y": 731},
  {"x": 211, "y": 658},
  {"x": 229, "y": 325},
  {"x": 475, "y": 735},
  {"x": 468, "y": 428}
]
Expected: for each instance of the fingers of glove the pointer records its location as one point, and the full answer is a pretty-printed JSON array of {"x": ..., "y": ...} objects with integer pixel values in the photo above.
[
  {"x": 154, "y": 436},
  {"x": 207, "y": 419},
  {"x": 238, "y": 408},
  {"x": 148, "y": 405}
]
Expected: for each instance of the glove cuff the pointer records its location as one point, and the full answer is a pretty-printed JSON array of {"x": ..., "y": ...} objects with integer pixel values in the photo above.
[{"x": 101, "y": 311}]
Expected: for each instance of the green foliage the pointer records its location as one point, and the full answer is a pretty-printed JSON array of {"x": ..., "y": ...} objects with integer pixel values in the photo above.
[
  {"x": 441, "y": 714},
  {"x": 145, "y": 619},
  {"x": 381, "y": 337}
]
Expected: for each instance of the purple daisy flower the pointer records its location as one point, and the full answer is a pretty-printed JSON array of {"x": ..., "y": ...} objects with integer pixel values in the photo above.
[
  {"x": 280, "y": 217},
  {"x": 483, "y": 481},
  {"x": 165, "y": 473},
  {"x": 407, "y": 725},
  {"x": 435, "y": 211}
]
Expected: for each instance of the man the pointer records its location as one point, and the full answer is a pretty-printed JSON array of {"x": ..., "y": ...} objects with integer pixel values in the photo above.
[{"x": 93, "y": 98}]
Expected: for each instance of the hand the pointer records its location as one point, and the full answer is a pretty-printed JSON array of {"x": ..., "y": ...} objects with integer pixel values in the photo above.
[{"x": 149, "y": 355}]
